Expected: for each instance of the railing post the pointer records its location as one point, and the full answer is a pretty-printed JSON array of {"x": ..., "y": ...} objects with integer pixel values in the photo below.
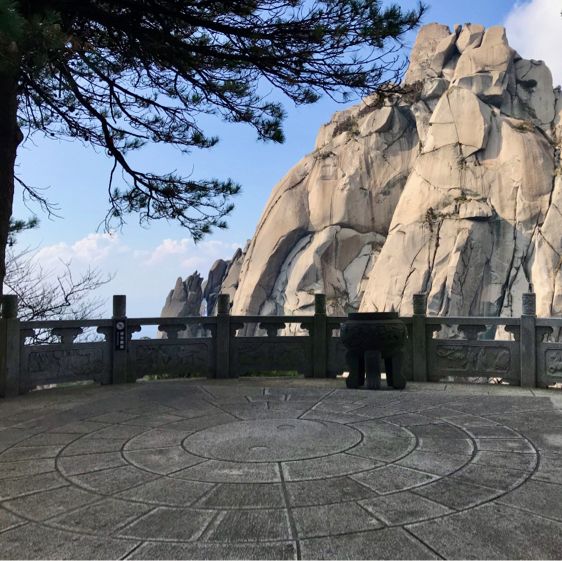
[
  {"x": 223, "y": 337},
  {"x": 9, "y": 347},
  {"x": 527, "y": 341},
  {"x": 320, "y": 337},
  {"x": 120, "y": 340},
  {"x": 419, "y": 339}
]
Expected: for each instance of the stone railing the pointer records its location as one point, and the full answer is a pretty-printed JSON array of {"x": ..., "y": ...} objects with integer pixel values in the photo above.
[{"x": 525, "y": 356}]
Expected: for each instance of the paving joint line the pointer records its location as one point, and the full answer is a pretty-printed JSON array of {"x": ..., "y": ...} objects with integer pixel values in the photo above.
[
  {"x": 407, "y": 530},
  {"x": 325, "y": 396},
  {"x": 290, "y": 516},
  {"x": 141, "y": 543}
]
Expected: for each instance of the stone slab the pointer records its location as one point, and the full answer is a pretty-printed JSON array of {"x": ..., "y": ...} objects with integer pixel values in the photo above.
[
  {"x": 121, "y": 432},
  {"x": 9, "y": 520},
  {"x": 433, "y": 462},
  {"x": 409, "y": 419},
  {"x": 335, "y": 465},
  {"x": 404, "y": 508},
  {"x": 466, "y": 421},
  {"x": 492, "y": 532},
  {"x": 47, "y": 504},
  {"x": 25, "y": 468},
  {"x": 325, "y": 491},
  {"x": 383, "y": 442},
  {"x": 497, "y": 431},
  {"x": 329, "y": 520},
  {"x": 189, "y": 426},
  {"x": 451, "y": 446},
  {"x": 33, "y": 541},
  {"x": 48, "y": 439},
  {"x": 550, "y": 468},
  {"x": 73, "y": 465},
  {"x": 101, "y": 518},
  {"x": 390, "y": 543},
  {"x": 539, "y": 497},
  {"x": 113, "y": 417},
  {"x": 244, "y": 495},
  {"x": 112, "y": 480},
  {"x": 441, "y": 431},
  {"x": 163, "y": 550},
  {"x": 490, "y": 476},
  {"x": 29, "y": 453},
  {"x": 331, "y": 416},
  {"x": 457, "y": 494},
  {"x": 250, "y": 526},
  {"x": 520, "y": 445},
  {"x": 509, "y": 460},
  {"x": 393, "y": 478},
  {"x": 92, "y": 445},
  {"x": 156, "y": 438},
  {"x": 79, "y": 427},
  {"x": 15, "y": 487},
  {"x": 154, "y": 420},
  {"x": 162, "y": 461},
  {"x": 163, "y": 523},
  {"x": 168, "y": 491},
  {"x": 215, "y": 471}
]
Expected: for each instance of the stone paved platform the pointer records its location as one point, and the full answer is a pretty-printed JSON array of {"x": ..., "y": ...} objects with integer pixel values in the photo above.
[{"x": 281, "y": 469}]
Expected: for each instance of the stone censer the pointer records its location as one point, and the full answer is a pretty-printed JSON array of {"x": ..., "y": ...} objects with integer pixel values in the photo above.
[{"x": 368, "y": 337}]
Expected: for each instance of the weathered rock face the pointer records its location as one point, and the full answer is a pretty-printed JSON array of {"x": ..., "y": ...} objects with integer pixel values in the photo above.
[
  {"x": 195, "y": 297},
  {"x": 471, "y": 225},
  {"x": 327, "y": 220},
  {"x": 212, "y": 286},
  {"x": 184, "y": 299},
  {"x": 453, "y": 188}
]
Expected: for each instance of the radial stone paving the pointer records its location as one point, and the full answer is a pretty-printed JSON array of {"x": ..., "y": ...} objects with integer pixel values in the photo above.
[{"x": 281, "y": 469}]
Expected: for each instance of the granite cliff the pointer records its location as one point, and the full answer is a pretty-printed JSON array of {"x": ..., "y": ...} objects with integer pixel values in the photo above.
[{"x": 453, "y": 188}]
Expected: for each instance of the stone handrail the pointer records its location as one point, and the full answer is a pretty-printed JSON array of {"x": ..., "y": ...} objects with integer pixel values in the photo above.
[{"x": 222, "y": 350}]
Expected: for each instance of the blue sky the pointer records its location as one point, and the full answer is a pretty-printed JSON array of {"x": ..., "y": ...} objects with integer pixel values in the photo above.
[{"x": 146, "y": 261}]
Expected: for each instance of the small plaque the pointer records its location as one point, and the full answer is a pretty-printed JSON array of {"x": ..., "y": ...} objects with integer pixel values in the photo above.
[{"x": 120, "y": 330}]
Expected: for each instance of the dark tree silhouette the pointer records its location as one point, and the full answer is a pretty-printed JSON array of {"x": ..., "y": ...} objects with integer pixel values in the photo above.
[{"x": 120, "y": 73}]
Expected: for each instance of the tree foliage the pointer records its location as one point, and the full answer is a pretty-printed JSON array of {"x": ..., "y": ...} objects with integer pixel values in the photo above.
[{"x": 118, "y": 74}]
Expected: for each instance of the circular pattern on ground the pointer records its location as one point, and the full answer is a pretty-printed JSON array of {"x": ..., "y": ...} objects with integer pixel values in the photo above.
[
  {"x": 213, "y": 468},
  {"x": 272, "y": 440}
]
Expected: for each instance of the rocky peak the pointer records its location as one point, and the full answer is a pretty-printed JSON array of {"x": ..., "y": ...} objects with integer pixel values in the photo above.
[{"x": 452, "y": 187}]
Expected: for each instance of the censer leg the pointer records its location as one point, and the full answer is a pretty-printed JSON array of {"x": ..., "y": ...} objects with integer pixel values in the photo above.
[
  {"x": 398, "y": 380},
  {"x": 356, "y": 366},
  {"x": 388, "y": 368},
  {"x": 373, "y": 370}
]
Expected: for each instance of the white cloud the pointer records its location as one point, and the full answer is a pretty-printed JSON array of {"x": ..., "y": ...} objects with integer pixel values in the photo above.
[
  {"x": 91, "y": 250},
  {"x": 144, "y": 275},
  {"x": 185, "y": 254},
  {"x": 534, "y": 30}
]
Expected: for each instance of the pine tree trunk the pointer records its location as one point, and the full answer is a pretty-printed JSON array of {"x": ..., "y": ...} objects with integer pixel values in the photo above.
[{"x": 10, "y": 138}]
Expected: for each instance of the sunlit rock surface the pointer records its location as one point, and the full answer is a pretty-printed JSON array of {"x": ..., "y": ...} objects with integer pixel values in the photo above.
[{"x": 452, "y": 188}]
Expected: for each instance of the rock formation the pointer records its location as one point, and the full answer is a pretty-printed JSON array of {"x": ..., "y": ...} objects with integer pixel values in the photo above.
[
  {"x": 478, "y": 217},
  {"x": 184, "y": 300},
  {"x": 453, "y": 187},
  {"x": 194, "y": 297}
]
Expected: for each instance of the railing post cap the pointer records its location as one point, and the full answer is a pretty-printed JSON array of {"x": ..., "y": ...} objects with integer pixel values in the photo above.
[
  {"x": 320, "y": 304},
  {"x": 529, "y": 304},
  {"x": 9, "y": 306},
  {"x": 223, "y": 304},
  {"x": 419, "y": 301},
  {"x": 119, "y": 305}
]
